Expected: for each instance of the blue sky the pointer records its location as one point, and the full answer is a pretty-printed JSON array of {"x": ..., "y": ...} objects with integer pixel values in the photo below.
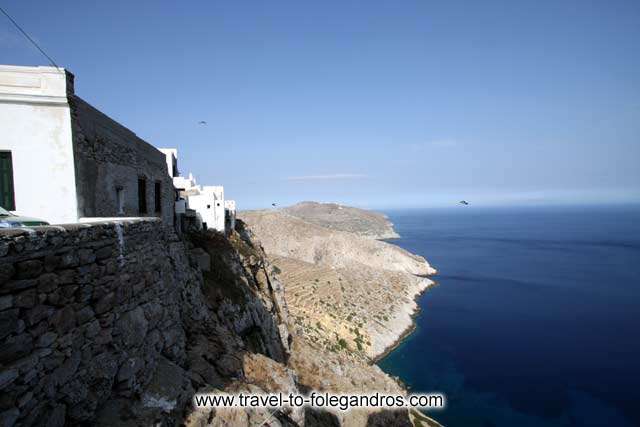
[{"x": 374, "y": 103}]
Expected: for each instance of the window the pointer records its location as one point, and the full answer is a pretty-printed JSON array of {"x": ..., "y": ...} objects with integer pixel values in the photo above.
[
  {"x": 120, "y": 200},
  {"x": 142, "y": 195},
  {"x": 157, "y": 193},
  {"x": 7, "y": 197}
]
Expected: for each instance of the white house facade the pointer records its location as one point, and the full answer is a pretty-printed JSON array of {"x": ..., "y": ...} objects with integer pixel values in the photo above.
[
  {"x": 207, "y": 201},
  {"x": 210, "y": 208},
  {"x": 62, "y": 160},
  {"x": 38, "y": 176}
]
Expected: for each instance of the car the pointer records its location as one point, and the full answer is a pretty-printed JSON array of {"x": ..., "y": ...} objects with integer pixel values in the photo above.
[{"x": 9, "y": 220}]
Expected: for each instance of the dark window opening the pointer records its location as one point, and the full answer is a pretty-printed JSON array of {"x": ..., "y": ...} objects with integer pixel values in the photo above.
[
  {"x": 7, "y": 196},
  {"x": 158, "y": 196},
  {"x": 208, "y": 206},
  {"x": 142, "y": 195}
]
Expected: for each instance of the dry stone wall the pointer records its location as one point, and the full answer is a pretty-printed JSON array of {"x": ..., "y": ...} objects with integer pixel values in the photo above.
[{"x": 86, "y": 314}]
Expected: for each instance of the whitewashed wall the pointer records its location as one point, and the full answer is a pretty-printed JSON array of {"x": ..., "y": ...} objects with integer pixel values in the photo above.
[
  {"x": 35, "y": 126},
  {"x": 172, "y": 160},
  {"x": 210, "y": 209}
]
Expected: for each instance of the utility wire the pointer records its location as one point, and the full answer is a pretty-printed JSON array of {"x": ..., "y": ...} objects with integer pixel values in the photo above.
[{"x": 29, "y": 38}]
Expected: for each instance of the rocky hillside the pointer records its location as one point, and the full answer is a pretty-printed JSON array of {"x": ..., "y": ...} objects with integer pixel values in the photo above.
[
  {"x": 283, "y": 235},
  {"x": 301, "y": 366},
  {"x": 345, "y": 292},
  {"x": 350, "y": 298},
  {"x": 344, "y": 218}
]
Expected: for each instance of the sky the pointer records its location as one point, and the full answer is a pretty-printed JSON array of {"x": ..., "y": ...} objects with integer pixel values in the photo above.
[{"x": 380, "y": 104}]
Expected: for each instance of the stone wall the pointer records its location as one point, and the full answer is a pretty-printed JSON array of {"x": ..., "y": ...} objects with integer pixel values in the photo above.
[
  {"x": 114, "y": 323},
  {"x": 87, "y": 311},
  {"x": 109, "y": 157}
]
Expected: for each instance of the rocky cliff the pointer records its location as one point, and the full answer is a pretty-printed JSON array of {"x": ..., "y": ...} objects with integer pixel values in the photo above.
[{"x": 120, "y": 323}]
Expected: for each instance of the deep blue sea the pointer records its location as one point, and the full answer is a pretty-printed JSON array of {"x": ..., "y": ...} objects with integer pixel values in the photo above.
[{"x": 536, "y": 317}]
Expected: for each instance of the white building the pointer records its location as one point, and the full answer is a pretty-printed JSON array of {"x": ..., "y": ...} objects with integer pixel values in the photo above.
[
  {"x": 171, "y": 154},
  {"x": 186, "y": 184},
  {"x": 208, "y": 201},
  {"x": 62, "y": 160}
]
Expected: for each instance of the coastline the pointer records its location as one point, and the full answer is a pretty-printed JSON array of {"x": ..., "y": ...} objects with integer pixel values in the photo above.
[
  {"x": 416, "y": 311},
  {"x": 356, "y": 292},
  {"x": 409, "y": 329}
]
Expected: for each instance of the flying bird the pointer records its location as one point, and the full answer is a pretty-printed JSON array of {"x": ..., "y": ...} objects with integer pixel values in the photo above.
[
  {"x": 273, "y": 204},
  {"x": 202, "y": 122},
  {"x": 464, "y": 202}
]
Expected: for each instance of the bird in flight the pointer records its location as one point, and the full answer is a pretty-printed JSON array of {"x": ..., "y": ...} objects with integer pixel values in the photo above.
[
  {"x": 202, "y": 122},
  {"x": 273, "y": 204},
  {"x": 464, "y": 202}
]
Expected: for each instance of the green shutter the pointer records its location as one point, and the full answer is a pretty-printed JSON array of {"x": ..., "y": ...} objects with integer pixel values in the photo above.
[{"x": 7, "y": 198}]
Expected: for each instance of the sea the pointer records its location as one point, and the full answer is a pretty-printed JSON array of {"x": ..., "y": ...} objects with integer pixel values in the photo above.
[{"x": 535, "y": 318}]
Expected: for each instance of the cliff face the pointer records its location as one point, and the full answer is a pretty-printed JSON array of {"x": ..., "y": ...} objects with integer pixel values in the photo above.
[{"x": 244, "y": 293}]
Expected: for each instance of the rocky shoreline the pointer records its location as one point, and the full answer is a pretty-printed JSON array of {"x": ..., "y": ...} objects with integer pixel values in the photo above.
[
  {"x": 404, "y": 322},
  {"x": 409, "y": 329}
]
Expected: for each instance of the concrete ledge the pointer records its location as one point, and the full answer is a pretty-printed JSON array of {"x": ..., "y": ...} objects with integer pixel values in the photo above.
[
  {"x": 118, "y": 219},
  {"x": 84, "y": 224},
  {"x": 33, "y": 84}
]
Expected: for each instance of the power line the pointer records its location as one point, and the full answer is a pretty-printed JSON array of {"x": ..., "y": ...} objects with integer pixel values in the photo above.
[{"x": 29, "y": 38}]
